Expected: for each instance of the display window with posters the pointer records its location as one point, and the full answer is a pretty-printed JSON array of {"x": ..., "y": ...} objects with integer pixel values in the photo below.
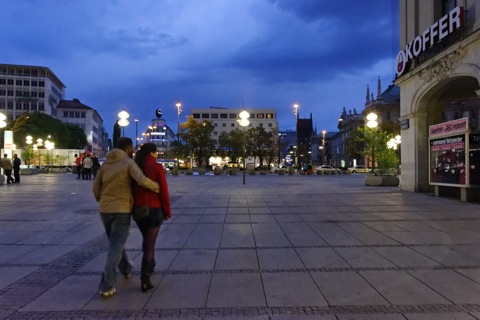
[{"x": 448, "y": 147}]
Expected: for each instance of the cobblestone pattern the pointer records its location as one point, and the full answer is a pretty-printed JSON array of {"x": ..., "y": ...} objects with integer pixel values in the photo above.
[
  {"x": 200, "y": 313},
  {"x": 20, "y": 293}
]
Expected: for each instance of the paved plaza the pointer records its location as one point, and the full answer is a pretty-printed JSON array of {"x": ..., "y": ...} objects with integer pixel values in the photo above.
[{"x": 277, "y": 248}]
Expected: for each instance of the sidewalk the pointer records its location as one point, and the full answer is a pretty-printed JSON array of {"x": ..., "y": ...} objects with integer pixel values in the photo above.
[{"x": 279, "y": 247}]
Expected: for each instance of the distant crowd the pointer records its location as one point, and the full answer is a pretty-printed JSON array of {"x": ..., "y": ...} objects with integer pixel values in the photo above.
[{"x": 86, "y": 164}]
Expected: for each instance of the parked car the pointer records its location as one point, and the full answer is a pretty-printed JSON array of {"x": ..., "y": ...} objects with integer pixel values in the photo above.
[
  {"x": 325, "y": 167},
  {"x": 359, "y": 169}
]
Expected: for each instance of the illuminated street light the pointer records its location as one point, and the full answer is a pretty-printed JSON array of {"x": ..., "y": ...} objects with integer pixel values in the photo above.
[
  {"x": 123, "y": 122},
  {"x": 295, "y": 112},
  {"x": 244, "y": 122}
]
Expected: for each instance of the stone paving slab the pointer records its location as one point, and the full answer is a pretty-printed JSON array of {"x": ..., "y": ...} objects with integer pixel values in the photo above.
[{"x": 278, "y": 248}]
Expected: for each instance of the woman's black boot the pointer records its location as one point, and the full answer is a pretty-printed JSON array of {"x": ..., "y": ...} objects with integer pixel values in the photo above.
[{"x": 147, "y": 269}]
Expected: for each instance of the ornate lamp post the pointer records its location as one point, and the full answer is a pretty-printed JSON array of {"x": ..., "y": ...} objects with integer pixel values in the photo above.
[
  {"x": 179, "y": 111},
  {"x": 324, "y": 132},
  {"x": 244, "y": 122},
  {"x": 372, "y": 124},
  {"x": 123, "y": 122}
]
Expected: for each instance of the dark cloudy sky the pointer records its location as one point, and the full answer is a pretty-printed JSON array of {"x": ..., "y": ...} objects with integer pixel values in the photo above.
[{"x": 144, "y": 54}]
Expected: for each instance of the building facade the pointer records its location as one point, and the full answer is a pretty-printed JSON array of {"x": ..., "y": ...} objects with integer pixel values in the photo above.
[
  {"x": 438, "y": 74},
  {"x": 29, "y": 89},
  {"x": 88, "y": 119},
  {"x": 225, "y": 120},
  {"x": 162, "y": 136}
]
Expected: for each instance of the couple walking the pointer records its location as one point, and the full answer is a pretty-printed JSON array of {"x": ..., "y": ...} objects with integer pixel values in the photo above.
[{"x": 116, "y": 193}]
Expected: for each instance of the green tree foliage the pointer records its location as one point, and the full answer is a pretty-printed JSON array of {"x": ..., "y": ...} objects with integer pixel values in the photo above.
[
  {"x": 117, "y": 133},
  {"x": 197, "y": 136},
  {"x": 27, "y": 155},
  {"x": 231, "y": 144},
  {"x": 376, "y": 149},
  {"x": 260, "y": 144},
  {"x": 41, "y": 125}
]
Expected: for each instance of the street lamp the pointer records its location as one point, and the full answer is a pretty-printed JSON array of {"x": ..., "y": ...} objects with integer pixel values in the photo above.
[
  {"x": 324, "y": 132},
  {"x": 179, "y": 111},
  {"x": 123, "y": 122},
  {"x": 295, "y": 112},
  {"x": 372, "y": 124},
  {"x": 244, "y": 122},
  {"x": 136, "y": 133},
  {"x": 49, "y": 145}
]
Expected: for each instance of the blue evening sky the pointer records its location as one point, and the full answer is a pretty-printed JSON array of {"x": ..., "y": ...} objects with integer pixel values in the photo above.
[{"x": 145, "y": 54}]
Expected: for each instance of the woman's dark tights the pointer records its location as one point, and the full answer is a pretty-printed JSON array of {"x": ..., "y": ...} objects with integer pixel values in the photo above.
[{"x": 149, "y": 234}]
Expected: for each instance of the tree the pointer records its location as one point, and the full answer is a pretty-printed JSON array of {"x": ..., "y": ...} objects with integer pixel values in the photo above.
[
  {"x": 41, "y": 125},
  {"x": 258, "y": 143},
  {"x": 116, "y": 134},
  {"x": 197, "y": 136},
  {"x": 231, "y": 144},
  {"x": 376, "y": 149}
]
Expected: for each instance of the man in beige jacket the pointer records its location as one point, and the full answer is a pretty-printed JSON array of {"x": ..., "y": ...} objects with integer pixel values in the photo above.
[
  {"x": 7, "y": 166},
  {"x": 112, "y": 188}
]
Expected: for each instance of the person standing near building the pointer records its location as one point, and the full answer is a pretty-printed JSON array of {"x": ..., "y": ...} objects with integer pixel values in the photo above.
[
  {"x": 16, "y": 168},
  {"x": 87, "y": 164},
  {"x": 113, "y": 190},
  {"x": 78, "y": 164},
  {"x": 7, "y": 166},
  {"x": 158, "y": 206}
]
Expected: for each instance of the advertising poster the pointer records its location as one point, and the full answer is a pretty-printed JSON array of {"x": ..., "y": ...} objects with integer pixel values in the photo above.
[
  {"x": 447, "y": 156},
  {"x": 474, "y": 159}
]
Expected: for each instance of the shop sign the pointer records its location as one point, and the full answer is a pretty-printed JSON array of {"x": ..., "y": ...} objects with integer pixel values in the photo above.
[
  {"x": 449, "y": 128},
  {"x": 448, "y": 24}
]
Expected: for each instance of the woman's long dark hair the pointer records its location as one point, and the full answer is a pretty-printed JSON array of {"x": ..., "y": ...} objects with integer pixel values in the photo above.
[{"x": 143, "y": 152}]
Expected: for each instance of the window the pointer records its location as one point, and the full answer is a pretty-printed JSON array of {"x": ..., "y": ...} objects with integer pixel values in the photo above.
[
  {"x": 252, "y": 116},
  {"x": 215, "y": 125},
  {"x": 34, "y": 107},
  {"x": 10, "y": 93},
  {"x": 448, "y": 5},
  {"x": 26, "y": 83},
  {"x": 270, "y": 125},
  {"x": 41, "y": 84},
  {"x": 18, "y": 93},
  {"x": 77, "y": 114},
  {"x": 41, "y": 94},
  {"x": 71, "y": 114},
  {"x": 82, "y": 114},
  {"x": 214, "y": 115},
  {"x": 196, "y": 115},
  {"x": 10, "y": 82},
  {"x": 34, "y": 83},
  {"x": 260, "y": 125},
  {"x": 223, "y": 116},
  {"x": 232, "y": 125},
  {"x": 260, "y": 115},
  {"x": 26, "y": 106},
  {"x": 269, "y": 115},
  {"x": 34, "y": 94},
  {"x": 232, "y": 116},
  {"x": 26, "y": 94},
  {"x": 41, "y": 107},
  {"x": 3, "y": 81},
  {"x": 215, "y": 133},
  {"x": 224, "y": 125},
  {"x": 18, "y": 82},
  {"x": 65, "y": 114},
  {"x": 18, "y": 106},
  {"x": 205, "y": 116},
  {"x": 3, "y": 92},
  {"x": 10, "y": 105},
  {"x": 2, "y": 104}
]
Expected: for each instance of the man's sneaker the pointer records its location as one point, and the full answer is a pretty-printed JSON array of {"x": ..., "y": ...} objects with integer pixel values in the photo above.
[
  {"x": 129, "y": 275},
  {"x": 108, "y": 293}
]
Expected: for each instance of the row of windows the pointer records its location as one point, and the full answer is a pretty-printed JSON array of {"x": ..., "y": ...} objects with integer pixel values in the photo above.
[
  {"x": 28, "y": 72},
  {"x": 231, "y": 116},
  {"x": 24, "y": 83},
  {"x": 74, "y": 114},
  {"x": 232, "y": 125},
  {"x": 22, "y": 106},
  {"x": 25, "y": 94}
]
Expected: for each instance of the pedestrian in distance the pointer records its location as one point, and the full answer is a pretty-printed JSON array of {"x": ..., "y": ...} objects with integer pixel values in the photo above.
[
  {"x": 113, "y": 190},
  {"x": 158, "y": 207},
  {"x": 95, "y": 165},
  {"x": 87, "y": 168},
  {"x": 16, "y": 168},
  {"x": 7, "y": 167},
  {"x": 78, "y": 164}
]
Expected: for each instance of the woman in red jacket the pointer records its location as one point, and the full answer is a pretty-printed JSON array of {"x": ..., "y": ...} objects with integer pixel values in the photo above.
[{"x": 159, "y": 208}]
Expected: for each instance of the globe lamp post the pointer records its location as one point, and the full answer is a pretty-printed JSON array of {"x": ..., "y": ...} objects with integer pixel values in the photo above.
[{"x": 244, "y": 122}]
